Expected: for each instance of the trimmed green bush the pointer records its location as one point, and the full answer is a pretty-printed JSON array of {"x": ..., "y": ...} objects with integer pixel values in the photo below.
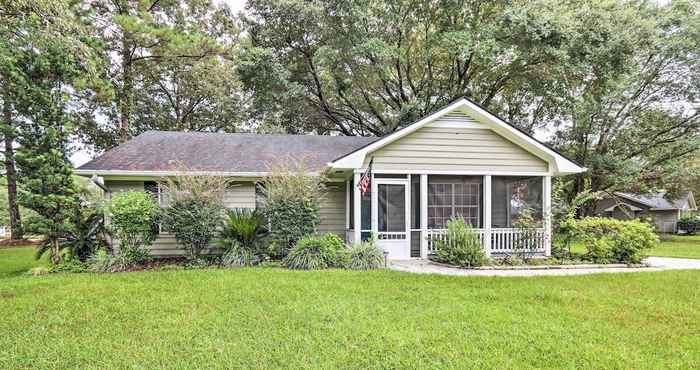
[
  {"x": 609, "y": 240},
  {"x": 134, "y": 217},
  {"x": 316, "y": 252},
  {"x": 689, "y": 224},
  {"x": 292, "y": 202},
  {"x": 365, "y": 256},
  {"x": 460, "y": 247},
  {"x": 194, "y": 222}
]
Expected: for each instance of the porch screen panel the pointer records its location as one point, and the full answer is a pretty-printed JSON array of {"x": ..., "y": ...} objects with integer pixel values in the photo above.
[
  {"x": 450, "y": 196},
  {"x": 512, "y": 196},
  {"x": 391, "y": 209}
]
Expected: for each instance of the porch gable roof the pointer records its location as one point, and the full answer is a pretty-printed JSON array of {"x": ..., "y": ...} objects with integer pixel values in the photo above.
[{"x": 559, "y": 164}]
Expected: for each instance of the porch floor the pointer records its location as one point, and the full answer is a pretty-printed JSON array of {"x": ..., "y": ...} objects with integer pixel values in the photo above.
[{"x": 424, "y": 266}]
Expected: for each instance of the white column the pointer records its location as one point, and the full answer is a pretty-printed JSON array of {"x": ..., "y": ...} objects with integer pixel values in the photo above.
[
  {"x": 357, "y": 209},
  {"x": 423, "y": 216},
  {"x": 547, "y": 214},
  {"x": 486, "y": 223},
  {"x": 348, "y": 187},
  {"x": 374, "y": 207}
]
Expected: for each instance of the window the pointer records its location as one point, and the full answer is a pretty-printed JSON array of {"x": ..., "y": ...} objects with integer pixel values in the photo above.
[
  {"x": 152, "y": 188},
  {"x": 453, "y": 196}
]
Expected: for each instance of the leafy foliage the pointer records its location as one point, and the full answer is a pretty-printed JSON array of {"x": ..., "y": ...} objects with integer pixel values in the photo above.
[
  {"x": 170, "y": 64},
  {"x": 690, "y": 224},
  {"x": 611, "y": 240},
  {"x": 460, "y": 247},
  {"x": 194, "y": 208},
  {"x": 134, "y": 217},
  {"x": 194, "y": 222},
  {"x": 316, "y": 252},
  {"x": 365, "y": 255},
  {"x": 292, "y": 202},
  {"x": 102, "y": 261},
  {"x": 238, "y": 256},
  {"x": 68, "y": 265},
  {"x": 242, "y": 227},
  {"x": 87, "y": 234}
]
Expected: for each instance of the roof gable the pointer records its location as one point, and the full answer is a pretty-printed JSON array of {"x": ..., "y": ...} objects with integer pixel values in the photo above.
[{"x": 480, "y": 116}]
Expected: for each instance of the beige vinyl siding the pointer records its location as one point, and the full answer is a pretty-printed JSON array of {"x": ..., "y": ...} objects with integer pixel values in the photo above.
[
  {"x": 455, "y": 143},
  {"x": 241, "y": 195},
  {"x": 332, "y": 211},
  {"x": 665, "y": 220}
]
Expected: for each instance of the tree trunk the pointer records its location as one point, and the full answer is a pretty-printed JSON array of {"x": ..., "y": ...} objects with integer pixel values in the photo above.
[
  {"x": 125, "y": 95},
  {"x": 55, "y": 252},
  {"x": 16, "y": 231}
]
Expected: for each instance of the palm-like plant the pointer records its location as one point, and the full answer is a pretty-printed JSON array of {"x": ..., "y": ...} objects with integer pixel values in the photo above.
[
  {"x": 244, "y": 226},
  {"x": 85, "y": 236}
]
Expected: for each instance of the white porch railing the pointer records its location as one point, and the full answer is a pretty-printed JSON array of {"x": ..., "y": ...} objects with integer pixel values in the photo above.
[{"x": 503, "y": 240}]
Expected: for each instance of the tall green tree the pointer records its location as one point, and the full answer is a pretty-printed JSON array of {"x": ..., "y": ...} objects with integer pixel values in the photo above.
[
  {"x": 170, "y": 64},
  {"x": 636, "y": 124},
  {"x": 50, "y": 61},
  {"x": 369, "y": 67},
  {"x": 613, "y": 83}
]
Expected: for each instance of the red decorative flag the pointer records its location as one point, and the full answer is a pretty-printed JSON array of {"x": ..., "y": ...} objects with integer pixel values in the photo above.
[{"x": 366, "y": 179}]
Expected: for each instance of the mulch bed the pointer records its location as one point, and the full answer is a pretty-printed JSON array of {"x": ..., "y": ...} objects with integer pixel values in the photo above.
[{"x": 10, "y": 243}]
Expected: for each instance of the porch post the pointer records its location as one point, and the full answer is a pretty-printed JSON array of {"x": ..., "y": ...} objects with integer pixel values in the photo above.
[
  {"x": 357, "y": 209},
  {"x": 487, "y": 215},
  {"x": 424, "y": 216},
  {"x": 547, "y": 214}
]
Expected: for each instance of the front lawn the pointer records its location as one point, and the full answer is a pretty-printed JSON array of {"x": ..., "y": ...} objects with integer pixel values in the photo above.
[
  {"x": 269, "y": 317},
  {"x": 678, "y": 246}
]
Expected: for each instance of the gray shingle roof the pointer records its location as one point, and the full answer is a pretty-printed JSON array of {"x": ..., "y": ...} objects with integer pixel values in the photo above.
[
  {"x": 200, "y": 151},
  {"x": 657, "y": 200}
]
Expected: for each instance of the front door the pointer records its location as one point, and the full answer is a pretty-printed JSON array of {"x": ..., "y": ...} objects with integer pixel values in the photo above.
[{"x": 390, "y": 216}]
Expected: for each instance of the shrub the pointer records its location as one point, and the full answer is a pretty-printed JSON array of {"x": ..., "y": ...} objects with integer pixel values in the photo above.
[
  {"x": 460, "y": 247},
  {"x": 238, "y": 256},
  {"x": 242, "y": 228},
  {"x": 80, "y": 237},
  {"x": 316, "y": 252},
  {"x": 689, "y": 224},
  {"x": 68, "y": 265},
  {"x": 611, "y": 240},
  {"x": 195, "y": 208},
  {"x": 194, "y": 223},
  {"x": 365, "y": 256},
  {"x": 292, "y": 202},
  {"x": 87, "y": 234},
  {"x": 104, "y": 262},
  {"x": 134, "y": 219},
  {"x": 524, "y": 246}
]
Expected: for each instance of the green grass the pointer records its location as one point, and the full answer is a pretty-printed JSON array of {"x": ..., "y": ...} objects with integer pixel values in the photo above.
[
  {"x": 18, "y": 260},
  {"x": 678, "y": 246},
  {"x": 275, "y": 318}
]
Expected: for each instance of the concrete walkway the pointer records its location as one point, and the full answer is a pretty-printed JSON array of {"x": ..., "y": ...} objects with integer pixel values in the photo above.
[{"x": 422, "y": 266}]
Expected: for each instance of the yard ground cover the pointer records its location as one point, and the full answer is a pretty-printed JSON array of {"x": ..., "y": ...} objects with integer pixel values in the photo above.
[
  {"x": 268, "y": 317},
  {"x": 678, "y": 246}
]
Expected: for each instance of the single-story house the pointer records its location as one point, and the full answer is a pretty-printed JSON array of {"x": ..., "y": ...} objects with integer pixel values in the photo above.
[
  {"x": 461, "y": 160},
  {"x": 663, "y": 212}
]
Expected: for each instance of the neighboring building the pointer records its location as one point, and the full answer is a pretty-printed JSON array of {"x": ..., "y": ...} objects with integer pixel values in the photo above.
[
  {"x": 461, "y": 160},
  {"x": 663, "y": 212}
]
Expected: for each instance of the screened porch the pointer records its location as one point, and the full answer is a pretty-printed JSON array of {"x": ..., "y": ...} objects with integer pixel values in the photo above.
[{"x": 407, "y": 212}]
